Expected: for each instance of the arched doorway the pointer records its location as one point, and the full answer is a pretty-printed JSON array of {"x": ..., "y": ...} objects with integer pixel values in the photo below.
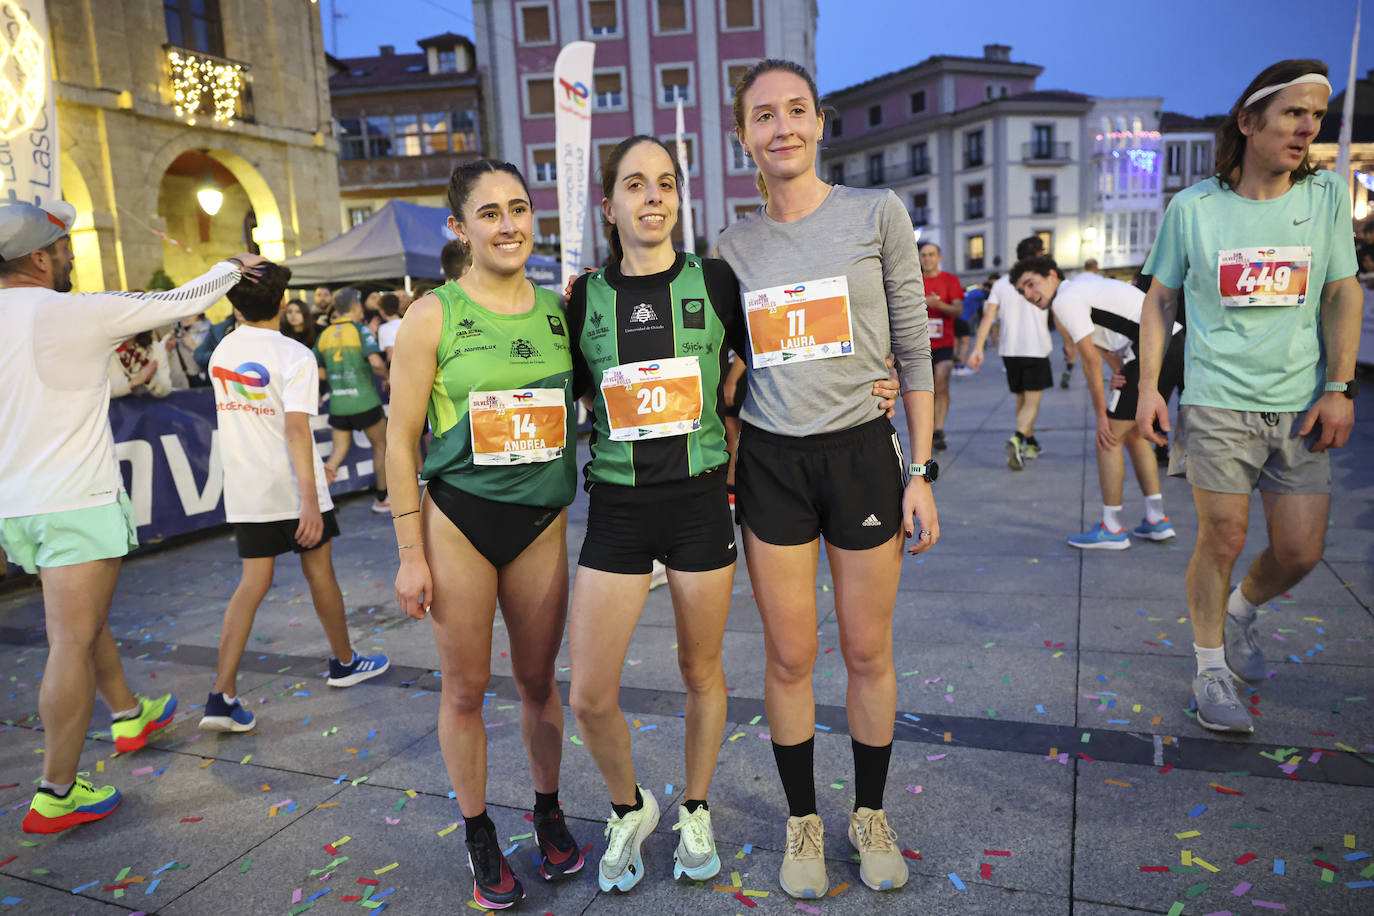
[{"x": 87, "y": 273}]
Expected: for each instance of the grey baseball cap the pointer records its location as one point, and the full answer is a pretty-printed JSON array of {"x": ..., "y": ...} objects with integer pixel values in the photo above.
[{"x": 25, "y": 227}]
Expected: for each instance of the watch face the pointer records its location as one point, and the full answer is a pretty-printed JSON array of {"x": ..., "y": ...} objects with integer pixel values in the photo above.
[
  {"x": 1352, "y": 388},
  {"x": 932, "y": 470}
]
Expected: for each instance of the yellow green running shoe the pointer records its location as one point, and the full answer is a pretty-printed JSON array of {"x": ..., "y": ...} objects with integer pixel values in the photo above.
[
  {"x": 83, "y": 802},
  {"x": 132, "y": 734}
]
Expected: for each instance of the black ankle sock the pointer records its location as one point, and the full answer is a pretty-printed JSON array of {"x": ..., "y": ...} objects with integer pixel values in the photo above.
[
  {"x": 870, "y": 774},
  {"x": 692, "y": 804},
  {"x": 546, "y": 802},
  {"x": 622, "y": 810},
  {"x": 796, "y": 768},
  {"x": 379, "y": 495},
  {"x": 481, "y": 822}
]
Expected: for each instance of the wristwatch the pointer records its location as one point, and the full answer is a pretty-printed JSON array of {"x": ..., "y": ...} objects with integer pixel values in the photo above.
[
  {"x": 927, "y": 472},
  {"x": 1349, "y": 389}
]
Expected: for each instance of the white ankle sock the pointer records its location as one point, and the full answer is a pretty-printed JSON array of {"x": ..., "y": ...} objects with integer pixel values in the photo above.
[
  {"x": 1239, "y": 607},
  {"x": 229, "y": 699},
  {"x": 1154, "y": 508},
  {"x": 1209, "y": 658},
  {"x": 1111, "y": 518},
  {"x": 57, "y": 788},
  {"x": 131, "y": 713}
]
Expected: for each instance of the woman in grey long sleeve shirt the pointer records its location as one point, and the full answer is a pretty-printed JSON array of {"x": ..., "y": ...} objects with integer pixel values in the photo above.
[{"x": 831, "y": 285}]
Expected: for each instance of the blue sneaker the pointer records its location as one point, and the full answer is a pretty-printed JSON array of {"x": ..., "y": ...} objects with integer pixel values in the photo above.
[
  {"x": 226, "y": 717},
  {"x": 1154, "y": 531},
  {"x": 1099, "y": 538},
  {"x": 355, "y": 672}
]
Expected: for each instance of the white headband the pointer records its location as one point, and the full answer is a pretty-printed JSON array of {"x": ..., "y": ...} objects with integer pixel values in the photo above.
[{"x": 1270, "y": 90}]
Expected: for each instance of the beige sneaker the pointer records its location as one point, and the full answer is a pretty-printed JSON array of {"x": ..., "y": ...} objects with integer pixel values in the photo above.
[
  {"x": 880, "y": 861},
  {"x": 803, "y": 867}
]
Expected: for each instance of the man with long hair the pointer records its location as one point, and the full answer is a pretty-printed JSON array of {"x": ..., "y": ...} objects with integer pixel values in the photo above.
[{"x": 1265, "y": 253}]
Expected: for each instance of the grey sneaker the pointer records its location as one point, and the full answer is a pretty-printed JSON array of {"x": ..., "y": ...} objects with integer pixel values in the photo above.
[
  {"x": 622, "y": 866},
  {"x": 803, "y": 865},
  {"x": 1219, "y": 707},
  {"x": 696, "y": 850},
  {"x": 1244, "y": 656}
]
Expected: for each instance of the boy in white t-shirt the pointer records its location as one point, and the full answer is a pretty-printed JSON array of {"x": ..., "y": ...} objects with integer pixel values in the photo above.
[
  {"x": 390, "y": 306},
  {"x": 275, "y": 493}
]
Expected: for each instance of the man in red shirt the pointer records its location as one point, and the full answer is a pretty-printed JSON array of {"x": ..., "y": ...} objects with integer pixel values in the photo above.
[{"x": 944, "y": 303}]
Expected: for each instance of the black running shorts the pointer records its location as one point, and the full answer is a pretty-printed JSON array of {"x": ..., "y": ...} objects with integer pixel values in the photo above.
[
  {"x": 357, "y": 421},
  {"x": 846, "y": 486},
  {"x": 1121, "y": 403},
  {"x": 941, "y": 355},
  {"x": 256, "y": 540},
  {"x": 962, "y": 328},
  {"x": 685, "y": 524},
  {"x": 499, "y": 531},
  {"x": 1028, "y": 373}
]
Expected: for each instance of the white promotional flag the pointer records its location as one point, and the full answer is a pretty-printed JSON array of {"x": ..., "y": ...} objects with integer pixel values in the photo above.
[
  {"x": 1348, "y": 111},
  {"x": 689, "y": 238},
  {"x": 572, "y": 79},
  {"x": 30, "y": 166}
]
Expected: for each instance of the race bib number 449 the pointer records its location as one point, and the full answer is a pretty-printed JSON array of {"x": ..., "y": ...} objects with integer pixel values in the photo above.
[
  {"x": 653, "y": 399},
  {"x": 799, "y": 321},
  {"x": 517, "y": 427},
  {"x": 1249, "y": 277}
]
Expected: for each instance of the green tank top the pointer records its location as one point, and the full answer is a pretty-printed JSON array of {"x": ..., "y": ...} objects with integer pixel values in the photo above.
[
  {"x": 643, "y": 322},
  {"x": 483, "y": 351},
  {"x": 343, "y": 349}
]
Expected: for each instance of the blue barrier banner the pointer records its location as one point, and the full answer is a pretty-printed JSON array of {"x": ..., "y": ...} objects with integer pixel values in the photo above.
[{"x": 168, "y": 453}]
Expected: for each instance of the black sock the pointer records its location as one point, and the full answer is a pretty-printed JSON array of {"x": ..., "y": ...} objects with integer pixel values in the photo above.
[
  {"x": 381, "y": 495},
  {"x": 546, "y": 802},
  {"x": 622, "y": 810},
  {"x": 870, "y": 774},
  {"x": 796, "y": 768},
  {"x": 692, "y": 804},
  {"x": 479, "y": 823}
]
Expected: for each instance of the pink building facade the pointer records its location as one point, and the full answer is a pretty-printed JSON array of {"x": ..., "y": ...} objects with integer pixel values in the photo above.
[{"x": 649, "y": 54}]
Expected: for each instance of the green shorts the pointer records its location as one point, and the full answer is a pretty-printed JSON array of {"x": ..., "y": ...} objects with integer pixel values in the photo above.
[{"x": 71, "y": 537}]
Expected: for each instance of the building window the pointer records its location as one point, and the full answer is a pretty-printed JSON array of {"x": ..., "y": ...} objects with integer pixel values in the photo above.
[
  {"x": 918, "y": 101},
  {"x": 875, "y": 115},
  {"x": 357, "y": 215},
  {"x": 545, "y": 165},
  {"x": 920, "y": 209},
  {"x": 1202, "y": 158},
  {"x": 973, "y": 201},
  {"x": 536, "y": 24},
  {"x": 995, "y": 91},
  {"x": 733, "y": 74},
  {"x": 739, "y": 162},
  {"x": 671, "y": 15},
  {"x": 405, "y": 135},
  {"x": 1042, "y": 196},
  {"x": 875, "y": 169},
  {"x": 1046, "y": 237},
  {"x": 194, "y": 24},
  {"x": 350, "y": 133},
  {"x": 1042, "y": 141},
  {"x": 740, "y": 211},
  {"x": 837, "y": 173},
  {"x": 548, "y": 230},
  {"x": 920, "y": 158},
  {"x": 603, "y": 19},
  {"x": 466, "y": 138},
  {"x": 973, "y": 148},
  {"x": 434, "y": 127},
  {"x": 1173, "y": 159},
  {"x": 689, "y": 144},
  {"x": 448, "y": 60},
  {"x": 378, "y": 137},
  {"x": 675, "y": 82},
  {"x": 739, "y": 14},
  {"x": 539, "y": 96},
  {"x": 973, "y": 252},
  {"x": 610, "y": 89},
  {"x": 603, "y": 153},
  {"x": 836, "y": 127}
]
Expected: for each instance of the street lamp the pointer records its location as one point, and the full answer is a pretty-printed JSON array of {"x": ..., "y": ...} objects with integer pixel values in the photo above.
[{"x": 209, "y": 195}]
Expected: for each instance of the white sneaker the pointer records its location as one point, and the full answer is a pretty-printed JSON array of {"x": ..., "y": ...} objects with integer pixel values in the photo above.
[
  {"x": 622, "y": 866},
  {"x": 696, "y": 855},
  {"x": 659, "y": 576}
]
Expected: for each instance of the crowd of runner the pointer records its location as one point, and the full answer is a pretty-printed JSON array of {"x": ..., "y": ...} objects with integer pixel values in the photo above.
[{"x": 823, "y": 304}]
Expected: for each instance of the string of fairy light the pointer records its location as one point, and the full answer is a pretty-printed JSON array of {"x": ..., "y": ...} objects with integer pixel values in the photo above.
[
  {"x": 22, "y": 71},
  {"x": 193, "y": 75}
]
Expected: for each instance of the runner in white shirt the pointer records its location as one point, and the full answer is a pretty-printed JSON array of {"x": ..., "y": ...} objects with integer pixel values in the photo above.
[
  {"x": 1101, "y": 317},
  {"x": 390, "y": 306},
  {"x": 1025, "y": 347},
  {"x": 275, "y": 493},
  {"x": 63, "y": 509}
]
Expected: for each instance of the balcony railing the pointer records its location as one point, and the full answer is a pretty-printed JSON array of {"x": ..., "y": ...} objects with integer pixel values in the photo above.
[
  {"x": 1044, "y": 152},
  {"x": 1042, "y": 202},
  {"x": 920, "y": 167},
  {"x": 973, "y": 158},
  {"x": 920, "y": 216},
  {"x": 209, "y": 89},
  {"x": 973, "y": 208}
]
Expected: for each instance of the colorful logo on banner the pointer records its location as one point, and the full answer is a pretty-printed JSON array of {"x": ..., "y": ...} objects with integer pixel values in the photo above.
[
  {"x": 242, "y": 380},
  {"x": 577, "y": 93}
]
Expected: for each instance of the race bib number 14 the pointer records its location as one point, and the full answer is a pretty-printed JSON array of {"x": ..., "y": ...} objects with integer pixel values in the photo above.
[
  {"x": 800, "y": 321},
  {"x": 517, "y": 427},
  {"x": 1248, "y": 277}
]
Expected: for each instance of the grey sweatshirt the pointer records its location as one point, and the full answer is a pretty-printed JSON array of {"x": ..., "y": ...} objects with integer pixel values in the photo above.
[{"x": 866, "y": 237}]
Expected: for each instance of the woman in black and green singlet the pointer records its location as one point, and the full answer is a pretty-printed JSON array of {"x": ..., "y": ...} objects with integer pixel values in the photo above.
[
  {"x": 651, "y": 333},
  {"x": 488, "y": 359}
]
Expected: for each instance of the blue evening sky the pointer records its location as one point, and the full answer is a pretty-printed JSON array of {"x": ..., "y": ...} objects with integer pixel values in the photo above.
[{"x": 1197, "y": 54}]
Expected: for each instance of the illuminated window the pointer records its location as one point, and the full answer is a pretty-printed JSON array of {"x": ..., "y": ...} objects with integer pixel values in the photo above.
[{"x": 194, "y": 24}]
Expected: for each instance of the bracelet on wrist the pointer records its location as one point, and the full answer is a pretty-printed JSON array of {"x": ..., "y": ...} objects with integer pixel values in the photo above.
[
  {"x": 408, "y": 546},
  {"x": 404, "y": 514}
]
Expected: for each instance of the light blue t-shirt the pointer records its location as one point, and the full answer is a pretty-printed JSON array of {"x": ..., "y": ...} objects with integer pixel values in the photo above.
[{"x": 1252, "y": 272}]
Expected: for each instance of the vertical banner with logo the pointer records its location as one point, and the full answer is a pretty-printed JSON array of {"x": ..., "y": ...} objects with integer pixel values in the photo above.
[
  {"x": 689, "y": 237},
  {"x": 30, "y": 167},
  {"x": 572, "y": 82}
]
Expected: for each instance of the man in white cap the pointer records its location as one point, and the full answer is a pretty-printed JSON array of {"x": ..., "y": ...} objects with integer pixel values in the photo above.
[
  {"x": 63, "y": 509},
  {"x": 1265, "y": 253}
]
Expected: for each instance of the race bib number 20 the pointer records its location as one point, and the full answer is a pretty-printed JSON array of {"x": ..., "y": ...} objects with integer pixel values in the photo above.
[
  {"x": 799, "y": 321},
  {"x": 1248, "y": 277},
  {"x": 653, "y": 399},
  {"x": 517, "y": 427}
]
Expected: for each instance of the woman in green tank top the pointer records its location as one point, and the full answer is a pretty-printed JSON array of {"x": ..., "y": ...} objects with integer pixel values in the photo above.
[{"x": 487, "y": 358}]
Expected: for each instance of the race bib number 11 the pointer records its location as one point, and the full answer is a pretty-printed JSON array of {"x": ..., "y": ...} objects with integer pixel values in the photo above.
[
  {"x": 517, "y": 427},
  {"x": 1249, "y": 277},
  {"x": 799, "y": 321}
]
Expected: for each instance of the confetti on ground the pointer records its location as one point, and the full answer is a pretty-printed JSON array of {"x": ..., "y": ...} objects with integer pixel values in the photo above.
[{"x": 954, "y": 879}]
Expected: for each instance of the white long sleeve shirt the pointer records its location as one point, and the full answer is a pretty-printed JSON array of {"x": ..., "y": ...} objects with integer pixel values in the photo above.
[{"x": 56, "y": 448}]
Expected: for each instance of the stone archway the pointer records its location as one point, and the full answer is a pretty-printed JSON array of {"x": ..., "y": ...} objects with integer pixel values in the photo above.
[{"x": 87, "y": 273}]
